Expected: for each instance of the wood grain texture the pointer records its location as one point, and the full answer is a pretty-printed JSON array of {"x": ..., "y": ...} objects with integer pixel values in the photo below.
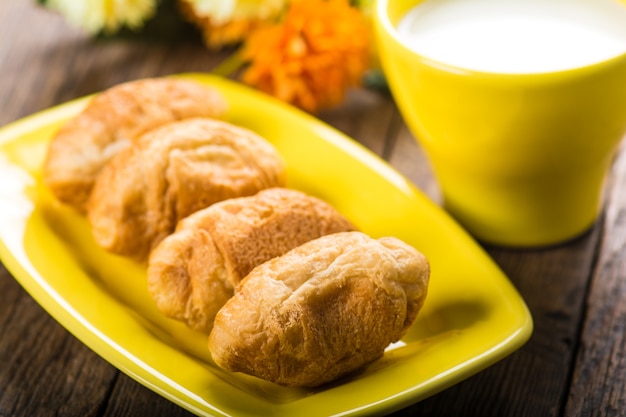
[
  {"x": 599, "y": 381},
  {"x": 534, "y": 380},
  {"x": 128, "y": 398},
  {"x": 45, "y": 370},
  {"x": 364, "y": 116}
]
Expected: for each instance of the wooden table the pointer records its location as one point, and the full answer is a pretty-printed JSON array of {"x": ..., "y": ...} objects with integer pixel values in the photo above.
[{"x": 574, "y": 364}]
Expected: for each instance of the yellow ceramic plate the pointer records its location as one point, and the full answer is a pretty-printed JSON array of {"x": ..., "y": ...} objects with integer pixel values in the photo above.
[{"x": 472, "y": 318}]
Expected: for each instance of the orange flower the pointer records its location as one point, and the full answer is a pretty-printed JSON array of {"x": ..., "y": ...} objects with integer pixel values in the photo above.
[{"x": 309, "y": 59}]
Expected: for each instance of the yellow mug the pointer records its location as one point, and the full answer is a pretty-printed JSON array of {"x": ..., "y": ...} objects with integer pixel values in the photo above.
[{"x": 521, "y": 159}]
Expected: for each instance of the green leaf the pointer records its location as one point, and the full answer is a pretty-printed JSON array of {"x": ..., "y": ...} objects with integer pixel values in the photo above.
[{"x": 375, "y": 79}]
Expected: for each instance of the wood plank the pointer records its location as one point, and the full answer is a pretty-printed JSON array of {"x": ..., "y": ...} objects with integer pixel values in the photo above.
[
  {"x": 599, "y": 380},
  {"x": 365, "y": 116},
  {"x": 408, "y": 157},
  {"x": 129, "y": 398},
  {"x": 45, "y": 370}
]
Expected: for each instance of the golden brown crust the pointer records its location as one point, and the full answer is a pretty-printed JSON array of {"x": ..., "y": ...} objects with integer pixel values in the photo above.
[
  {"x": 192, "y": 273},
  {"x": 322, "y": 310},
  {"x": 171, "y": 172},
  {"x": 111, "y": 121}
]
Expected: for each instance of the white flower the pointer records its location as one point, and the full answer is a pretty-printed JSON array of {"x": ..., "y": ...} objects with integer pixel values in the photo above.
[
  {"x": 224, "y": 11},
  {"x": 105, "y": 15},
  {"x": 220, "y": 11}
]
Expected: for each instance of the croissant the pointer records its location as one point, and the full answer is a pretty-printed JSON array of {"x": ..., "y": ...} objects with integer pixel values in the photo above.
[
  {"x": 322, "y": 310},
  {"x": 193, "y": 272},
  {"x": 171, "y": 172},
  {"x": 111, "y": 121}
]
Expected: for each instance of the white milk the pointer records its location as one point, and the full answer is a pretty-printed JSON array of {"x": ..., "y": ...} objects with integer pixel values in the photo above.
[{"x": 516, "y": 36}]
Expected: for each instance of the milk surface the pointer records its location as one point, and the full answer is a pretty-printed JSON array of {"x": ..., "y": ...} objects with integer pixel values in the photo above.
[{"x": 516, "y": 36}]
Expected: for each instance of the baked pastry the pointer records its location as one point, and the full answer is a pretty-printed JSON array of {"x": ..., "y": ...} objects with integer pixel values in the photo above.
[
  {"x": 171, "y": 172},
  {"x": 111, "y": 121},
  {"x": 322, "y": 310},
  {"x": 193, "y": 272}
]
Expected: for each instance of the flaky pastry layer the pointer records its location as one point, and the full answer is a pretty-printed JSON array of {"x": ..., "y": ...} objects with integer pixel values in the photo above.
[
  {"x": 193, "y": 272},
  {"x": 322, "y": 310},
  {"x": 111, "y": 121}
]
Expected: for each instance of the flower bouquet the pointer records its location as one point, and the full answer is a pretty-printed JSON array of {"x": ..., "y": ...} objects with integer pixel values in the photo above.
[{"x": 304, "y": 52}]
